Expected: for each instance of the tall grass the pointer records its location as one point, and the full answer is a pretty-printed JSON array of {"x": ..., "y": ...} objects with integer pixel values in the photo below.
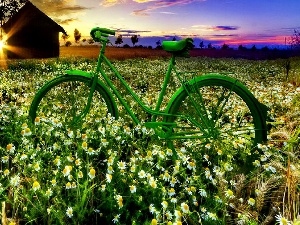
[{"x": 111, "y": 172}]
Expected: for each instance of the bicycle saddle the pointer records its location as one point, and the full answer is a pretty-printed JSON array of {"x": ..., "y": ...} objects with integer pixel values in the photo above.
[{"x": 177, "y": 46}]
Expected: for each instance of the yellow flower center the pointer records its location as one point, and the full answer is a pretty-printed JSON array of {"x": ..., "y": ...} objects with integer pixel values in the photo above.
[
  {"x": 154, "y": 222},
  {"x": 283, "y": 221},
  {"x": 36, "y": 185},
  {"x": 92, "y": 172},
  {"x": 84, "y": 145},
  {"x": 9, "y": 147}
]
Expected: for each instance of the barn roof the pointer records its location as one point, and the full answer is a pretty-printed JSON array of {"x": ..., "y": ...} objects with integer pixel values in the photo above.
[{"x": 29, "y": 14}]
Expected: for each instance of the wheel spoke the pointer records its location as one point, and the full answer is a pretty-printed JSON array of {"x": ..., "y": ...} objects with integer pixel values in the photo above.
[
  {"x": 220, "y": 112},
  {"x": 65, "y": 99}
]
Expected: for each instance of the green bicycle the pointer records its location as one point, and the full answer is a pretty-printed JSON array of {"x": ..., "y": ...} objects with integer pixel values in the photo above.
[{"x": 206, "y": 107}]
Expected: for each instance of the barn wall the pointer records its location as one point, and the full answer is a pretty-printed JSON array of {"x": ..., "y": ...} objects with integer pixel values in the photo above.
[
  {"x": 34, "y": 43},
  {"x": 32, "y": 34}
]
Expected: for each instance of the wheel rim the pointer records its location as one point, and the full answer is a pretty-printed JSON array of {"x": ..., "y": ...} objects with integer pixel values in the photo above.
[
  {"x": 226, "y": 107},
  {"x": 62, "y": 102}
]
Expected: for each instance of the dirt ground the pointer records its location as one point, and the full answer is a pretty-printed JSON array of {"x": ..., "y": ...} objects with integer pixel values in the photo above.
[
  {"x": 111, "y": 52},
  {"x": 120, "y": 53}
]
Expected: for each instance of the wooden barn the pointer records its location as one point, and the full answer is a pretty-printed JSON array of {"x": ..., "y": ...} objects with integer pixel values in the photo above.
[{"x": 32, "y": 34}]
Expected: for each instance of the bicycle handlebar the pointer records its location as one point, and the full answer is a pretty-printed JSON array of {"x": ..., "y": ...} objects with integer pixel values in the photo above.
[{"x": 97, "y": 33}]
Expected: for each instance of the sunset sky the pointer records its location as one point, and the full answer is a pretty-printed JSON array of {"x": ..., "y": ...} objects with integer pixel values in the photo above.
[{"x": 259, "y": 22}]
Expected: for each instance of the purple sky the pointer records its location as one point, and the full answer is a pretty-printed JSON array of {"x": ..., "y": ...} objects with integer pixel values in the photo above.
[{"x": 233, "y": 22}]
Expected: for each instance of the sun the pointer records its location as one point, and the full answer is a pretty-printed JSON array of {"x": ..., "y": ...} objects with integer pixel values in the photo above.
[{"x": 1, "y": 44}]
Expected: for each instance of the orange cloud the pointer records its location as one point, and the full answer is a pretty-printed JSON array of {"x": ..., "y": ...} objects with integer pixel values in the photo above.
[
  {"x": 108, "y": 3},
  {"x": 156, "y": 4},
  {"x": 58, "y": 7}
]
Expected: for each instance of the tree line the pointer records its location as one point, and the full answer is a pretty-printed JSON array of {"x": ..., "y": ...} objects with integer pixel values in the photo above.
[
  {"x": 294, "y": 43},
  {"x": 77, "y": 38}
]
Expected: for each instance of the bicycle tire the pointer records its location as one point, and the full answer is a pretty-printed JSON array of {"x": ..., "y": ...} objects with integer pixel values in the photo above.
[
  {"x": 242, "y": 111},
  {"x": 64, "y": 98}
]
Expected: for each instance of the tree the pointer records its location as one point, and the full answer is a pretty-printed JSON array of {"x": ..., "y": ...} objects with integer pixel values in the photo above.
[
  {"x": 65, "y": 37},
  {"x": 242, "y": 48},
  {"x": 265, "y": 49},
  {"x": 68, "y": 43},
  {"x": 201, "y": 45},
  {"x": 158, "y": 44},
  {"x": 8, "y": 8},
  {"x": 91, "y": 41},
  {"x": 253, "y": 48},
  {"x": 77, "y": 35},
  {"x": 134, "y": 39},
  {"x": 295, "y": 40},
  {"x": 225, "y": 47},
  {"x": 119, "y": 40},
  {"x": 209, "y": 46}
]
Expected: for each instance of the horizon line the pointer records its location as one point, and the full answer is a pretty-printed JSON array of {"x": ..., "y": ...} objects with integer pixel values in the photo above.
[{"x": 271, "y": 41}]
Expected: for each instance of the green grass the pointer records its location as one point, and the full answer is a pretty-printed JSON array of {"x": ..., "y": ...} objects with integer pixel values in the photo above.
[{"x": 110, "y": 171}]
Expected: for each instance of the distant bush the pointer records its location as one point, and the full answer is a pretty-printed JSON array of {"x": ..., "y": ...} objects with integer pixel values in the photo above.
[
  {"x": 265, "y": 48},
  {"x": 68, "y": 43},
  {"x": 91, "y": 41},
  {"x": 225, "y": 47},
  {"x": 126, "y": 46},
  {"x": 242, "y": 48},
  {"x": 253, "y": 48}
]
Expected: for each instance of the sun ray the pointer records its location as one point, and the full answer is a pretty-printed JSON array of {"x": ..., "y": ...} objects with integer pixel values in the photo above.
[{"x": 3, "y": 58}]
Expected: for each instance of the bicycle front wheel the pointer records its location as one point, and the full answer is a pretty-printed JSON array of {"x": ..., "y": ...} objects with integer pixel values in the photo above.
[
  {"x": 64, "y": 100},
  {"x": 217, "y": 110}
]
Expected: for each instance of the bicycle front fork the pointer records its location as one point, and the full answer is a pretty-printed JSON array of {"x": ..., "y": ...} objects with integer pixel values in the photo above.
[{"x": 85, "y": 111}]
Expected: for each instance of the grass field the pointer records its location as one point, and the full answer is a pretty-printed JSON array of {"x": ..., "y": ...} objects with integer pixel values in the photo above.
[{"x": 111, "y": 172}]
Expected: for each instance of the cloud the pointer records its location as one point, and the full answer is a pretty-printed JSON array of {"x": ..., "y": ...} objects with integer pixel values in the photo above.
[
  {"x": 140, "y": 12},
  {"x": 168, "y": 13},
  {"x": 71, "y": 9},
  {"x": 161, "y": 4},
  {"x": 129, "y": 33},
  {"x": 143, "y": 1},
  {"x": 66, "y": 21},
  {"x": 205, "y": 28},
  {"x": 222, "y": 28},
  {"x": 58, "y": 7},
  {"x": 152, "y": 5},
  {"x": 177, "y": 37},
  {"x": 108, "y": 3},
  {"x": 224, "y": 35},
  {"x": 291, "y": 29},
  {"x": 133, "y": 31}
]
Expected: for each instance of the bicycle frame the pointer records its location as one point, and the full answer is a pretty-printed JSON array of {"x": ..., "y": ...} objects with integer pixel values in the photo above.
[
  {"x": 162, "y": 128},
  {"x": 199, "y": 121},
  {"x": 205, "y": 125},
  {"x": 175, "y": 121}
]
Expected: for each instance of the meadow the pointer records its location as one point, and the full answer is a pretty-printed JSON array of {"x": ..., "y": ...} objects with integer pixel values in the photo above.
[{"x": 111, "y": 172}]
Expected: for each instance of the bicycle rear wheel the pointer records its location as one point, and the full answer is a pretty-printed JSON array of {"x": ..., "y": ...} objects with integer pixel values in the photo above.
[
  {"x": 63, "y": 99},
  {"x": 217, "y": 111}
]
